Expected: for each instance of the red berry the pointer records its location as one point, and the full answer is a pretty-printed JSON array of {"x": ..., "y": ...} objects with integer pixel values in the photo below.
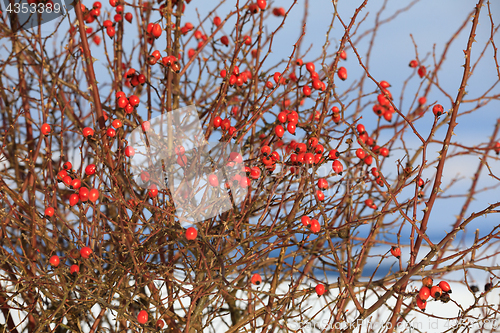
[
  {"x": 306, "y": 90},
  {"x": 111, "y": 132},
  {"x": 310, "y": 67},
  {"x": 413, "y": 64},
  {"x": 320, "y": 195},
  {"x": 88, "y": 132},
  {"x": 396, "y": 251},
  {"x": 315, "y": 226},
  {"x": 369, "y": 203},
  {"x": 337, "y": 167},
  {"x": 129, "y": 151},
  {"x": 122, "y": 102},
  {"x": 445, "y": 287},
  {"x": 157, "y": 30},
  {"x": 73, "y": 199},
  {"x": 291, "y": 128},
  {"x": 153, "y": 191},
  {"x": 422, "y": 71},
  {"x": 343, "y": 55},
  {"x": 262, "y": 4},
  {"x": 156, "y": 54},
  {"x": 320, "y": 289},
  {"x": 54, "y": 261},
  {"x": 90, "y": 169},
  {"x": 333, "y": 154},
  {"x": 385, "y": 84},
  {"x": 145, "y": 126},
  {"x": 117, "y": 123},
  {"x": 420, "y": 182},
  {"x": 191, "y": 233},
  {"x": 384, "y": 151},
  {"x": 306, "y": 221},
  {"x": 217, "y": 121},
  {"x": 255, "y": 173},
  {"x": 225, "y": 124},
  {"x": 279, "y": 131},
  {"x": 67, "y": 180},
  {"x": 424, "y": 293},
  {"x": 213, "y": 180},
  {"x": 83, "y": 193},
  {"x": 75, "y": 184},
  {"x": 360, "y": 153},
  {"x": 142, "y": 317},
  {"x": 224, "y": 40},
  {"x": 49, "y": 212},
  {"x": 74, "y": 269},
  {"x": 94, "y": 195},
  {"x": 279, "y": 11},
  {"x": 422, "y": 100},
  {"x": 421, "y": 304},
  {"x": 342, "y": 73},
  {"x": 45, "y": 129},
  {"x": 111, "y": 31},
  {"x": 217, "y": 21},
  {"x": 134, "y": 100},
  {"x": 256, "y": 279},
  {"x": 128, "y": 17},
  {"x": 427, "y": 281},
  {"x": 437, "y": 110},
  {"x": 436, "y": 292},
  {"x": 360, "y": 128},
  {"x": 85, "y": 252}
]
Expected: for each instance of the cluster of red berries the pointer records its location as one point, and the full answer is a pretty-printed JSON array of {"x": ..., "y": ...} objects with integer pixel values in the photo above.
[
  {"x": 312, "y": 224},
  {"x": 291, "y": 119},
  {"x": 316, "y": 83},
  {"x": 89, "y": 15},
  {"x": 269, "y": 158},
  {"x": 128, "y": 104},
  {"x": 134, "y": 78},
  {"x": 253, "y": 172},
  {"x": 383, "y": 107},
  {"x": 84, "y": 252},
  {"x": 152, "y": 188},
  {"x": 254, "y": 8},
  {"x": 70, "y": 179},
  {"x": 225, "y": 125},
  {"x": 364, "y": 138},
  {"x": 153, "y": 30},
  {"x": 422, "y": 71},
  {"x": 202, "y": 38},
  {"x": 237, "y": 77},
  {"x": 302, "y": 154},
  {"x": 441, "y": 292},
  {"x": 234, "y": 159}
]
